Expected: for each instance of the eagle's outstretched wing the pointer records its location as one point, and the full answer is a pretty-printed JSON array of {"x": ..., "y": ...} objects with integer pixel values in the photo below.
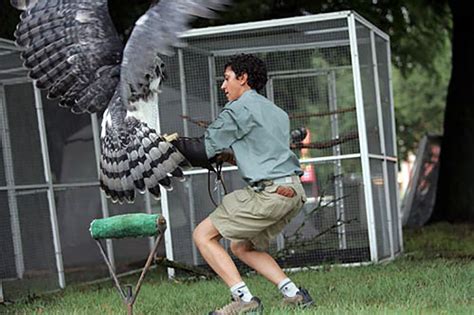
[
  {"x": 72, "y": 50},
  {"x": 157, "y": 32}
]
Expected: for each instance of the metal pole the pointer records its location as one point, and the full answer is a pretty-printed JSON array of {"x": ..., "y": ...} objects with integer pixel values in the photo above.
[
  {"x": 103, "y": 199},
  {"x": 182, "y": 84},
  {"x": 49, "y": 181},
  {"x": 189, "y": 184},
  {"x": 364, "y": 150},
  {"x": 338, "y": 183},
  {"x": 382, "y": 144},
  {"x": 269, "y": 89},
  {"x": 280, "y": 239},
  {"x": 248, "y": 26},
  {"x": 394, "y": 143},
  {"x": 211, "y": 60},
  {"x": 165, "y": 211},
  {"x": 149, "y": 210},
  {"x": 10, "y": 181}
]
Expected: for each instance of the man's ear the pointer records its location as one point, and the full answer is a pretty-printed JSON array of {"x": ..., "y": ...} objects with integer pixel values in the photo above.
[{"x": 243, "y": 78}]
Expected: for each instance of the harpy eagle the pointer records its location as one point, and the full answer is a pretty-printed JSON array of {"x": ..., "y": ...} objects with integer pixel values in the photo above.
[{"x": 73, "y": 51}]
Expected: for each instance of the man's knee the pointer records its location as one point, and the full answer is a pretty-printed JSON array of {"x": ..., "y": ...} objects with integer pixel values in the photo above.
[
  {"x": 205, "y": 232},
  {"x": 241, "y": 248},
  {"x": 197, "y": 236}
]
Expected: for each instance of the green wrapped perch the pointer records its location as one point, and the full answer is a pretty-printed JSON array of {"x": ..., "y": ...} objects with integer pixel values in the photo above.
[{"x": 126, "y": 225}]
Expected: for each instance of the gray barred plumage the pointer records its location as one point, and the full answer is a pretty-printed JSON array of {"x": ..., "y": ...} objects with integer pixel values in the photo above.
[
  {"x": 73, "y": 51},
  {"x": 69, "y": 41}
]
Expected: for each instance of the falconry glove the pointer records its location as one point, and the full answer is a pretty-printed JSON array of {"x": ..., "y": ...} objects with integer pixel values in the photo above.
[{"x": 194, "y": 151}]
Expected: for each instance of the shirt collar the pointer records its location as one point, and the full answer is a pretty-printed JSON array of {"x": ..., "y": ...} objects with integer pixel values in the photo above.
[{"x": 251, "y": 91}]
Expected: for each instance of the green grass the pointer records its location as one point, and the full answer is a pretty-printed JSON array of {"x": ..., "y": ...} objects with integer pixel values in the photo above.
[{"x": 435, "y": 276}]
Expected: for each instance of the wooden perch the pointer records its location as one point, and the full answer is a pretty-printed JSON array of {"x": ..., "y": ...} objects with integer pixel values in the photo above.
[{"x": 163, "y": 261}]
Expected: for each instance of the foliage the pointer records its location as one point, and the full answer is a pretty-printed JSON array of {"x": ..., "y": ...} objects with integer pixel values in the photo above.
[{"x": 420, "y": 99}]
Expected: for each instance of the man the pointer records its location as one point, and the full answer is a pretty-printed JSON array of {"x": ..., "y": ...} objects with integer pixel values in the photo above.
[{"x": 257, "y": 132}]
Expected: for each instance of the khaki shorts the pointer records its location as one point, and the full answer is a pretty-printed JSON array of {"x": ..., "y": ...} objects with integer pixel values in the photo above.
[{"x": 247, "y": 215}]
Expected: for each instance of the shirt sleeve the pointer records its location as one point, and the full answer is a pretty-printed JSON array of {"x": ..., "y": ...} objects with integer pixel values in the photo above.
[{"x": 232, "y": 124}]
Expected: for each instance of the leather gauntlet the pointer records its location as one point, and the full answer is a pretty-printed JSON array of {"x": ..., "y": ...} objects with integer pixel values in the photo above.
[{"x": 194, "y": 151}]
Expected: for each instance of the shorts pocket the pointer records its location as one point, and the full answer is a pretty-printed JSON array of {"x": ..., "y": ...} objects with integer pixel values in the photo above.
[
  {"x": 236, "y": 201},
  {"x": 272, "y": 205}
]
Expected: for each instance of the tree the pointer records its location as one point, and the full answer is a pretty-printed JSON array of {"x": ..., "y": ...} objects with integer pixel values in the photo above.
[
  {"x": 420, "y": 99},
  {"x": 455, "y": 194}
]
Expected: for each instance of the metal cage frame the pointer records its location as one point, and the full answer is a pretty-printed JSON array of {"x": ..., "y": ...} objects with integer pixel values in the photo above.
[{"x": 364, "y": 155}]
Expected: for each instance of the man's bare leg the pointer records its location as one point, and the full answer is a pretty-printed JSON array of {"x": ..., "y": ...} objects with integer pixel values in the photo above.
[
  {"x": 260, "y": 261},
  {"x": 206, "y": 237}
]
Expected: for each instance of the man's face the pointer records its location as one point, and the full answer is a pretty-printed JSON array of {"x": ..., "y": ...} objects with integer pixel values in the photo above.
[{"x": 232, "y": 86}]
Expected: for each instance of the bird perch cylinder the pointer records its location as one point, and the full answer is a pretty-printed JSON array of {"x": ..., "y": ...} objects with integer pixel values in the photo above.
[{"x": 127, "y": 225}]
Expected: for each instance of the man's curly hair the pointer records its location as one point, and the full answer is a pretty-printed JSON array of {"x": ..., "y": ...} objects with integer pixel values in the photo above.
[{"x": 254, "y": 67}]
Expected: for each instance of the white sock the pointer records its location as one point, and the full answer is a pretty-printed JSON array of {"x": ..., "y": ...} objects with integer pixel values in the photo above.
[
  {"x": 241, "y": 291},
  {"x": 288, "y": 288}
]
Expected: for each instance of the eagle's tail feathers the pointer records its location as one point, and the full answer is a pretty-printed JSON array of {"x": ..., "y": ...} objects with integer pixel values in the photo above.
[{"x": 137, "y": 158}]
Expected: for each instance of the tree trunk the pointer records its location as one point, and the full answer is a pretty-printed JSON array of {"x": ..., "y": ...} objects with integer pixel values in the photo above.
[{"x": 455, "y": 194}]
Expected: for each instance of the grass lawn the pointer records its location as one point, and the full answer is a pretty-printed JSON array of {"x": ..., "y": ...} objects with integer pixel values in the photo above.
[{"x": 434, "y": 276}]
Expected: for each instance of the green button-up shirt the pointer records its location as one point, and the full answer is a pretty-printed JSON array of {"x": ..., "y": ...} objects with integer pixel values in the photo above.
[{"x": 258, "y": 132}]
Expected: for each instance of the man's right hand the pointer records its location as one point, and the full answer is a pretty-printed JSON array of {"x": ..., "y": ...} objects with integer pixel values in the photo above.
[{"x": 226, "y": 156}]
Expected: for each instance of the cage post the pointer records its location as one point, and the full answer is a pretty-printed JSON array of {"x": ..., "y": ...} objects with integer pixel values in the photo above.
[
  {"x": 165, "y": 210},
  {"x": 213, "y": 88},
  {"x": 149, "y": 210},
  {"x": 394, "y": 143},
  {"x": 269, "y": 89},
  {"x": 338, "y": 183},
  {"x": 103, "y": 200},
  {"x": 382, "y": 143},
  {"x": 10, "y": 181},
  {"x": 189, "y": 184},
  {"x": 168, "y": 237},
  {"x": 212, "y": 85},
  {"x": 280, "y": 239},
  {"x": 50, "y": 191},
  {"x": 182, "y": 84},
  {"x": 364, "y": 150}
]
